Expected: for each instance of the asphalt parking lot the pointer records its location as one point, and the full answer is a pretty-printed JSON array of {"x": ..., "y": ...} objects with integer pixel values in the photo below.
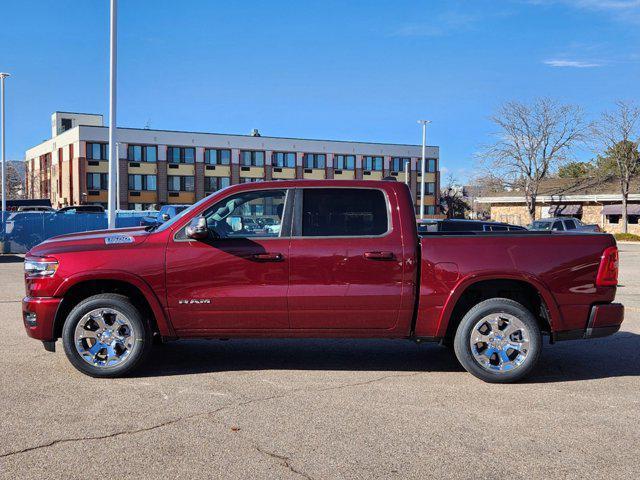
[{"x": 320, "y": 409}]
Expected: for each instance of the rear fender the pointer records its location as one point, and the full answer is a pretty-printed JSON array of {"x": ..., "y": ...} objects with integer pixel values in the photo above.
[{"x": 555, "y": 317}]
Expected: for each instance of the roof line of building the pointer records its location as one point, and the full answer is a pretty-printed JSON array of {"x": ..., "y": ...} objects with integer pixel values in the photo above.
[
  {"x": 79, "y": 113},
  {"x": 261, "y": 136},
  {"x": 605, "y": 197}
]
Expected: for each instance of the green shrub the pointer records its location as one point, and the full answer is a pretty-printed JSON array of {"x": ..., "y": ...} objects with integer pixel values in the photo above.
[{"x": 627, "y": 237}]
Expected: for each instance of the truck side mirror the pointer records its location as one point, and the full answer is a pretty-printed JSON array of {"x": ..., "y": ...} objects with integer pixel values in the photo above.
[{"x": 198, "y": 229}]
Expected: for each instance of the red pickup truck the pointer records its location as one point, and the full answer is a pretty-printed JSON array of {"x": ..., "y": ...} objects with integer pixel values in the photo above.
[{"x": 318, "y": 259}]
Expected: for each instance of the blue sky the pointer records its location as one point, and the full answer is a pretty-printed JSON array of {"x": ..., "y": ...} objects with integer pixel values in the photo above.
[{"x": 352, "y": 70}]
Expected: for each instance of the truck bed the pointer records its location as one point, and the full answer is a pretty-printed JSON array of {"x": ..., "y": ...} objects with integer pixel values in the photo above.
[{"x": 562, "y": 267}]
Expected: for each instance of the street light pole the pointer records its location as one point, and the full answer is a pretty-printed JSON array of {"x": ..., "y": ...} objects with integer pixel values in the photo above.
[
  {"x": 4, "y": 182},
  {"x": 424, "y": 124},
  {"x": 113, "y": 147}
]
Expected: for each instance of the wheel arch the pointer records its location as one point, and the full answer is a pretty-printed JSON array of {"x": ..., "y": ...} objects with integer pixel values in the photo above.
[
  {"x": 79, "y": 287},
  {"x": 526, "y": 290}
]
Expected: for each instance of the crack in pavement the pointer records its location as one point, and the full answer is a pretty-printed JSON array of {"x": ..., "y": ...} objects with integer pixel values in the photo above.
[
  {"x": 367, "y": 382},
  {"x": 201, "y": 414},
  {"x": 284, "y": 461},
  {"x": 114, "y": 434}
]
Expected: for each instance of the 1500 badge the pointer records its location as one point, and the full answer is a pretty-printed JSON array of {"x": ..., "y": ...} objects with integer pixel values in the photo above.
[
  {"x": 194, "y": 301},
  {"x": 115, "y": 239}
]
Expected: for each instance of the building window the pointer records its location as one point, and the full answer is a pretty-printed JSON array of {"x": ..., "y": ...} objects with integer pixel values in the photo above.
[
  {"x": 344, "y": 162},
  {"x": 430, "y": 209},
  {"x": 372, "y": 163},
  {"x": 213, "y": 184},
  {"x": 142, "y": 182},
  {"x": 283, "y": 159},
  {"x": 97, "y": 151},
  {"x": 250, "y": 158},
  {"x": 215, "y": 156},
  {"x": 315, "y": 160},
  {"x": 398, "y": 163},
  {"x": 181, "y": 154},
  {"x": 97, "y": 181},
  {"x": 249, "y": 180},
  {"x": 142, "y": 153},
  {"x": 66, "y": 124},
  {"x": 142, "y": 206},
  {"x": 430, "y": 165},
  {"x": 429, "y": 189},
  {"x": 177, "y": 183}
]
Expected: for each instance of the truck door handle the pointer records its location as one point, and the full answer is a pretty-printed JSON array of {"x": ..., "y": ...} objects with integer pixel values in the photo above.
[
  {"x": 267, "y": 257},
  {"x": 379, "y": 255}
]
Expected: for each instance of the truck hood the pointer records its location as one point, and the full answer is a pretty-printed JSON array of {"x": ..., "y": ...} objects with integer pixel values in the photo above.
[{"x": 119, "y": 238}]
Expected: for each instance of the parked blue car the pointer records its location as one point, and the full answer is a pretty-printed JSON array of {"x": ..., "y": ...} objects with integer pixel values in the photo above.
[{"x": 166, "y": 212}]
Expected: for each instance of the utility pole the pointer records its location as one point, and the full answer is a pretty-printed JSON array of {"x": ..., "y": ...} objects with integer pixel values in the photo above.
[
  {"x": 113, "y": 147},
  {"x": 424, "y": 124},
  {"x": 4, "y": 180}
]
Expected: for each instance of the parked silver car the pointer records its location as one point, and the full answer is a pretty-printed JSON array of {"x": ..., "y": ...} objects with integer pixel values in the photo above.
[{"x": 563, "y": 224}]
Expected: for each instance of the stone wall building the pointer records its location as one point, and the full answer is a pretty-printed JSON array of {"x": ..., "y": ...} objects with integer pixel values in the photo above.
[{"x": 591, "y": 200}]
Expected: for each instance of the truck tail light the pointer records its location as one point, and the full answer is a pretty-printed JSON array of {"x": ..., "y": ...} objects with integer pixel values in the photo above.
[{"x": 608, "y": 270}]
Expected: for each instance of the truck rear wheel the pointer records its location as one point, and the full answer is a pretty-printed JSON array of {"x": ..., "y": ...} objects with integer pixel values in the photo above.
[
  {"x": 498, "y": 341},
  {"x": 105, "y": 336}
]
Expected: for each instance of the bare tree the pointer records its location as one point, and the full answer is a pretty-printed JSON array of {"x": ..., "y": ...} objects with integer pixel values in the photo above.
[
  {"x": 617, "y": 133},
  {"x": 15, "y": 186},
  {"x": 531, "y": 142},
  {"x": 13, "y": 182},
  {"x": 452, "y": 199}
]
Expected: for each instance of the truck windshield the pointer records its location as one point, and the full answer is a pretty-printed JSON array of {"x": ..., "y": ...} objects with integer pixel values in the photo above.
[{"x": 538, "y": 225}]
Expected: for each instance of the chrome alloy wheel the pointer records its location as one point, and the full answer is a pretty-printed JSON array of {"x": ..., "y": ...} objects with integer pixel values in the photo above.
[
  {"x": 500, "y": 342},
  {"x": 104, "y": 337}
]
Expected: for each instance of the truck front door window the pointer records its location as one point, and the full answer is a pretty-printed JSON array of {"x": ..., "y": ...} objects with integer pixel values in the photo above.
[{"x": 246, "y": 215}]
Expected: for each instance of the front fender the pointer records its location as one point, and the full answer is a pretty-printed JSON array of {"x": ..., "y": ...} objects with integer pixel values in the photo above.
[{"x": 164, "y": 325}]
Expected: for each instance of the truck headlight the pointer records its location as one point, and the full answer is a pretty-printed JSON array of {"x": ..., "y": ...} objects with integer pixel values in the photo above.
[{"x": 42, "y": 267}]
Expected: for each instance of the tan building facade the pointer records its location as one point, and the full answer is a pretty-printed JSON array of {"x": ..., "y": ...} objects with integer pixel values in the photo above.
[{"x": 159, "y": 167}]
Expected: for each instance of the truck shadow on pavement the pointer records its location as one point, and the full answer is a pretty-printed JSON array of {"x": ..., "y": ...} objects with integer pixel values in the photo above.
[{"x": 616, "y": 356}]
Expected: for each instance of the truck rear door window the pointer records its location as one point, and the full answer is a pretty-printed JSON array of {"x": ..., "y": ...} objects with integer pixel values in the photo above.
[{"x": 343, "y": 212}]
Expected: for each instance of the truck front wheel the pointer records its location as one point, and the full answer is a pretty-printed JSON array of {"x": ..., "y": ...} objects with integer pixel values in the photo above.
[
  {"x": 105, "y": 336},
  {"x": 498, "y": 341}
]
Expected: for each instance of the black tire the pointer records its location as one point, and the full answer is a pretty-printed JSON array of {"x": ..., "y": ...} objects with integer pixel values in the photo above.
[
  {"x": 478, "y": 312},
  {"x": 120, "y": 303}
]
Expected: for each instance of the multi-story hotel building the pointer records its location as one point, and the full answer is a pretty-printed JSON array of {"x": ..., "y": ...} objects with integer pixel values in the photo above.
[{"x": 159, "y": 166}]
